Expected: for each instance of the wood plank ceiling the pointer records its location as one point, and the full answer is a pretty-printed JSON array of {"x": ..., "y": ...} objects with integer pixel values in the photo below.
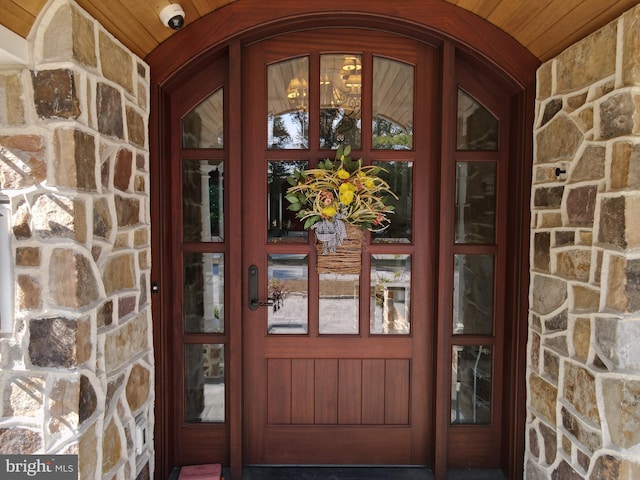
[{"x": 545, "y": 27}]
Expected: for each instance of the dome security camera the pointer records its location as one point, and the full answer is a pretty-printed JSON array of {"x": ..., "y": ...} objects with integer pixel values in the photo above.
[{"x": 172, "y": 16}]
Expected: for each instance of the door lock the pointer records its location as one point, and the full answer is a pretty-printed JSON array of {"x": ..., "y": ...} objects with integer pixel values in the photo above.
[{"x": 254, "y": 302}]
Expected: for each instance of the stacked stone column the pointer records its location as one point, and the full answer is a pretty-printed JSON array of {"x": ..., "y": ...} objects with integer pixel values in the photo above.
[
  {"x": 76, "y": 372},
  {"x": 583, "y": 372}
]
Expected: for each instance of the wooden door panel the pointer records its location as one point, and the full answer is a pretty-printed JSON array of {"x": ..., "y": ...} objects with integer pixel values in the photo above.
[
  {"x": 350, "y": 391},
  {"x": 372, "y": 393},
  {"x": 302, "y": 394}
]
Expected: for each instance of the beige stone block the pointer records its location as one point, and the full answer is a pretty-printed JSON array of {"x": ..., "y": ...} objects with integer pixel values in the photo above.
[
  {"x": 582, "y": 338},
  {"x": 558, "y": 140},
  {"x": 136, "y": 128},
  {"x": 545, "y": 81},
  {"x": 138, "y": 387},
  {"x": 615, "y": 295},
  {"x": 64, "y": 400},
  {"x": 72, "y": 282},
  {"x": 27, "y": 256},
  {"x": 75, "y": 159},
  {"x": 543, "y": 397},
  {"x": 88, "y": 453},
  {"x": 631, "y": 47},
  {"x": 574, "y": 264},
  {"x": 632, "y": 214},
  {"x": 117, "y": 63},
  {"x": 621, "y": 400},
  {"x": 23, "y": 397},
  {"x": 580, "y": 390},
  {"x": 126, "y": 342},
  {"x": 11, "y": 95},
  {"x": 112, "y": 448},
  {"x": 84, "y": 340},
  {"x": 549, "y": 220},
  {"x": 585, "y": 299},
  {"x": 60, "y": 217},
  {"x": 588, "y": 61},
  {"x": 118, "y": 273},
  {"x": 625, "y": 166},
  {"x": 23, "y": 161},
  {"x": 548, "y": 293}
]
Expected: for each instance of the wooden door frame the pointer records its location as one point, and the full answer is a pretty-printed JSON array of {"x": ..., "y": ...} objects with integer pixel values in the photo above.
[{"x": 224, "y": 33}]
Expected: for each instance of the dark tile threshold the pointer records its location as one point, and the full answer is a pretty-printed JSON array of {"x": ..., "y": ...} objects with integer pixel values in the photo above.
[{"x": 354, "y": 473}]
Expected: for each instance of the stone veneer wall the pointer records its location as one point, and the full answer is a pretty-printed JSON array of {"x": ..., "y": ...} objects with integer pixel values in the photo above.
[
  {"x": 583, "y": 371},
  {"x": 77, "y": 371}
]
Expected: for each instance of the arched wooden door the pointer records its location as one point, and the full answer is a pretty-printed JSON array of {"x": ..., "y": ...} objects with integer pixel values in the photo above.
[
  {"x": 401, "y": 361},
  {"x": 340, "y": 370}
]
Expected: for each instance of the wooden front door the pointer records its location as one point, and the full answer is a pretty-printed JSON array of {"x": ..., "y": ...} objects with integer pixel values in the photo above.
[{"x": 338, "y": 366}]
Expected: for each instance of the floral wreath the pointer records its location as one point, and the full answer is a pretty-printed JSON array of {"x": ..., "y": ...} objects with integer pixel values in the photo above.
[{"x": 340, "y": 191}]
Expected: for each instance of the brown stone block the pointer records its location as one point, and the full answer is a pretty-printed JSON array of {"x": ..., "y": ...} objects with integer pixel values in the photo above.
[
  {"x": 589, "y": 437},
  {"x": 21, "y": 222},
  {"x": 535, "y": 350},
  {"x": 625, "y": 166},
  {"x": 117, "y": 64},
  {"x": 585, "y": 299},
  {"x": 54, "y": 93},
  {"x": 609, "y": 467},
  {"x": 556, "y": 323},
  {"x": 138, "y": 387},
  {"x": 75, "y": 160},
  {"x": 85, "y": 340},
  {"x": 549, "y": 220},
  {"x": 126, "y": 306},
  {"x": 111, "y": 446},
  {"x": 560, "y": 139},
  {"x": 88, "y": 401},
  {"x": 126, "y": 342},
  {"x": 545, "y": 81},
  {"x": 88, "y": 453},
  {"x": 105, "y": 314},
  {"x": 543, "y": 397},
  {"x": 549, "y": 442},
  {"x": 127, "y": 211},
  {"x": 22, "y": 161},
  {"x": 28, "y": 293},
  {"x": 11, "y": 95},
  {"x": 102, "y": 218},
  {"x": 123, "y": 169},
  {"x": 27, "y": 256},
  {"x": 72, "y": 282},
  {"x": 612, "y": 222},
  {"x": 584, "y": 119},
  {"x": 552, "y": 107},
  {"x": 52, "y": 342},
  {"x": 588, "y": 61},
  {"x": 551, "y": 366},
  {"x": 548, "y": 197},
  {"x": 20, "y": 441},
  {"x": 69, "y": 35},
  {"x": 580, "y": 205},
  {"x": 617, "y": 115},
  {"x": 541, "y": 251},
  {"x": 590, "y": 165},
  {"x": 109, "y": 111},
  {"x": 135, "y": 127}
]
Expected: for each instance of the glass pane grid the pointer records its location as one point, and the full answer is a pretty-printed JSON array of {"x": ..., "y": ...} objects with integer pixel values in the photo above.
[
  {"x": 471, "y": 385},
  {"x": 204, "y": 373}
]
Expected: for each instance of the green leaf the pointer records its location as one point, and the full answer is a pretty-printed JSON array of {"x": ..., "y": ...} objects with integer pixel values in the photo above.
[
  {"x": 292, "y": 197},
  {"x": 310, "y": 221},
  {"x": 292, "y": 181},
  {"x": 302, "y": 198},
  {"x": 346, "y": 151},
  {"x": 295, "y": 207}
]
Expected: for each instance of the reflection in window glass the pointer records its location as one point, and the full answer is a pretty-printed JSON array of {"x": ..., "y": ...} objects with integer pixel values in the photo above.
[
  {"x": 475, "y": 202},
  {"x": 288, "y": 104},
  {"x": 339, "y": 303},
  {"x": 477, "y": 127},
  {"x": 471, "y": 387},
  {"x": 392, "y": 105},
  {"x": 283, "y": 224},
  {"x": 204, "y": 389},
  {"x": 288, "y": 276},
  {"x": 340, "y": 100},
  {"x": 473, "y": 294},
  {"x": 203, "y": 293},
  {"x": 203, "y": 127},
  {"x": 202, "y": 200},
  {"x": 399, "y": 177},
  {"x": 390, "y": 294}
]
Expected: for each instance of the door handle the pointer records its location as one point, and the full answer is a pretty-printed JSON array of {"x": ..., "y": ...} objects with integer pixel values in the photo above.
[{"x": 254, "y": 301}]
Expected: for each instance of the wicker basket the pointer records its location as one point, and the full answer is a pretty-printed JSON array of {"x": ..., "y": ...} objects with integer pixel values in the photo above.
[{"x": 347, "y": 258}]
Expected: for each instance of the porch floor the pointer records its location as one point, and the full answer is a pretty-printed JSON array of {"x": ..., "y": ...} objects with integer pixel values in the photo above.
[{"x": 359, "y": 473}]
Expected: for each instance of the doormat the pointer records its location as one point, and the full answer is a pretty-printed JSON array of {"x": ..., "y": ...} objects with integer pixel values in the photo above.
[{"x": 336, "y": 473}]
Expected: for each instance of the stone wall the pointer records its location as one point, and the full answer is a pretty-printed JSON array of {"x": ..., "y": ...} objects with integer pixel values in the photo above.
[
  {"x": 77, "y": 371},
  {"x": 583, "y": 371}
]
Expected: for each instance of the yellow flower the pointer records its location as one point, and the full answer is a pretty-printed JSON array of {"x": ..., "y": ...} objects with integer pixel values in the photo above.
[
  {"x": 347, "y": 187},
  {"x": 328, "y": 212},
  {"x": 369, "y": 183},
  {"x": 346, "y": 197},
  {"x": 343, "y": 174}
]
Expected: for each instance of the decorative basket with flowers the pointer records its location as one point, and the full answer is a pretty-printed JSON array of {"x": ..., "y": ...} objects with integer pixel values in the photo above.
[{"x": 337, "y": 193}]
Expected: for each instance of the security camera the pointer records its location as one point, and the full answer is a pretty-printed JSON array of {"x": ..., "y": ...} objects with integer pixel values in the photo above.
[{"x": 172, "y": 16}]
